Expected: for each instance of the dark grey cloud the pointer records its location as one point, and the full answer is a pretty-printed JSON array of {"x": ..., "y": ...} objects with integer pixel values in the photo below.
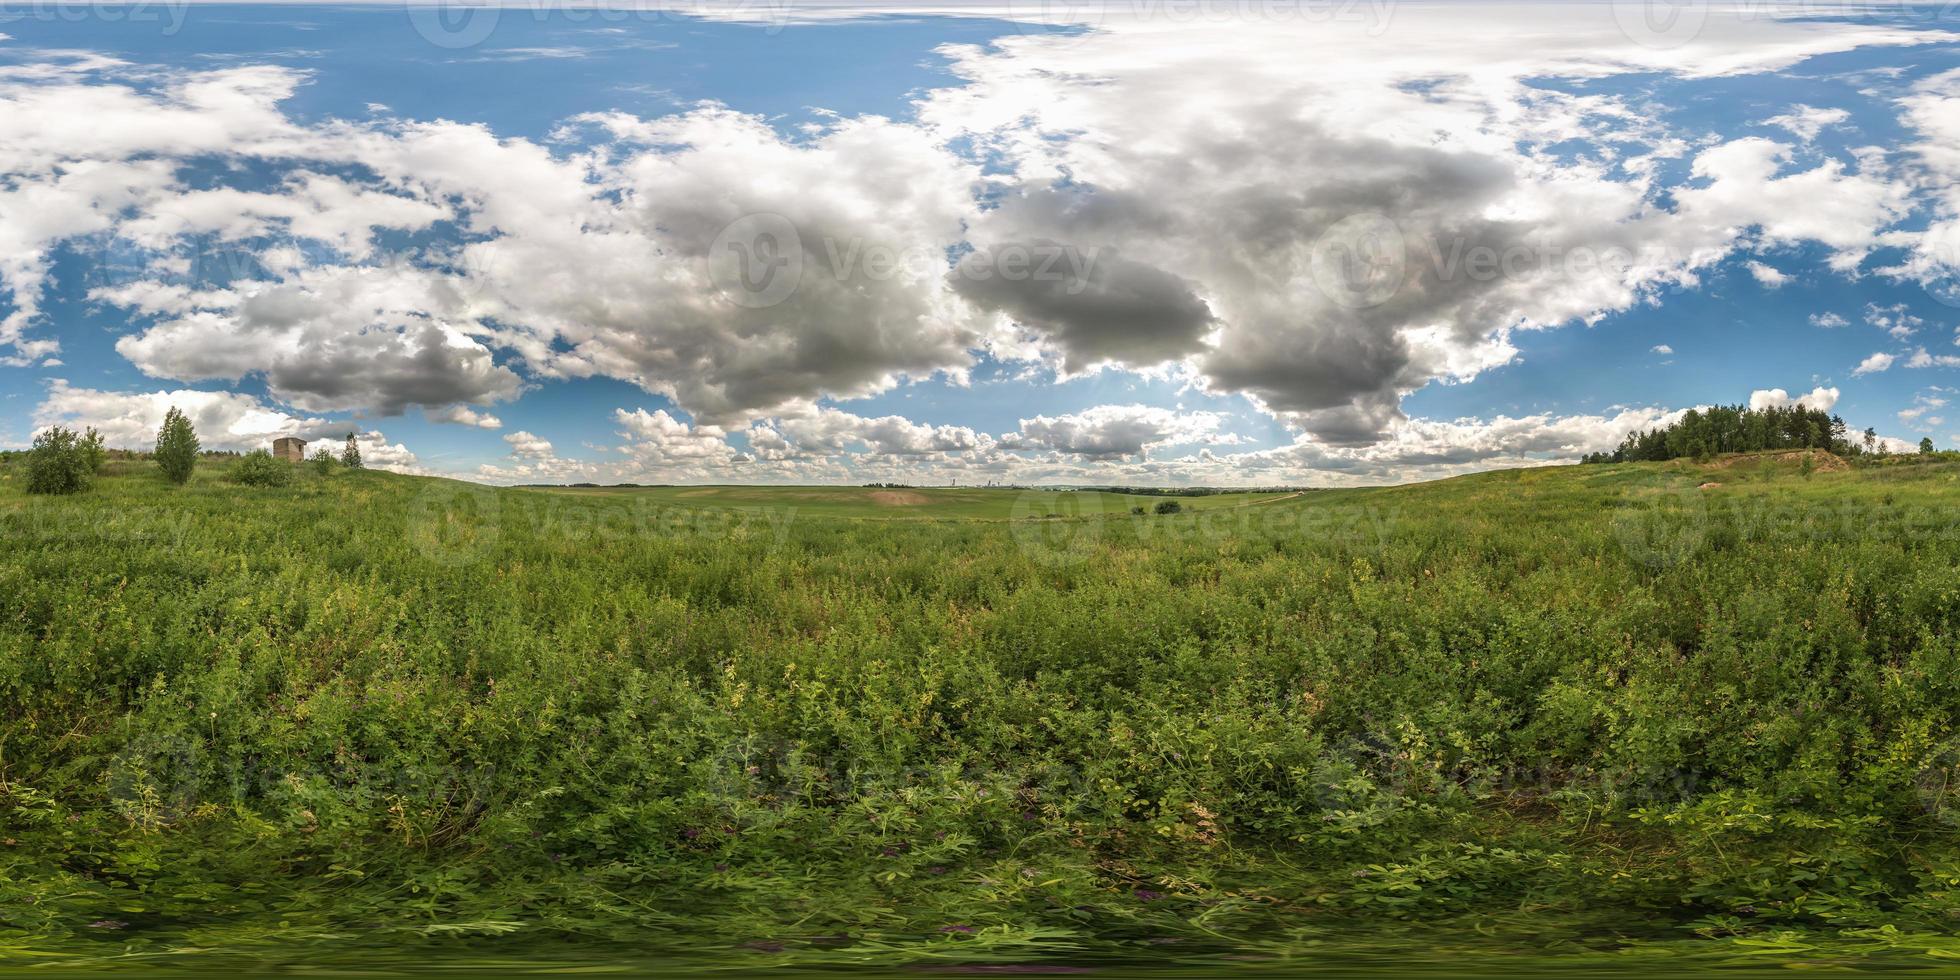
[{"x": 1091, "y": 302}]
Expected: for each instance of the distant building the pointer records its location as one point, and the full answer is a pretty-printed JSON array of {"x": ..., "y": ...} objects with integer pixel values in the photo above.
[{"x": 289, "y": 449}]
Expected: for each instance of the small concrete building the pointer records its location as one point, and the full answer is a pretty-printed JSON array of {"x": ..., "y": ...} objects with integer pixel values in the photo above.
[{"x": 289, "y": 449}]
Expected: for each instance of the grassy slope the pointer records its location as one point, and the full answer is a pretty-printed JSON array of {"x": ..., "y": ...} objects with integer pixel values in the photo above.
[{"x": 411, "y": 709}]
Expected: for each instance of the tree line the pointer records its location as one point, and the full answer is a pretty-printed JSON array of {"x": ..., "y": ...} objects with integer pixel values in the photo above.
[
  {"x": 1709, "y": 432},
  {"x": 65, "y": 461}
]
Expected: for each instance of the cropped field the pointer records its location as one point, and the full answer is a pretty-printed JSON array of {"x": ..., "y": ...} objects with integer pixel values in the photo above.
[{"x": 1603, "y": 716}]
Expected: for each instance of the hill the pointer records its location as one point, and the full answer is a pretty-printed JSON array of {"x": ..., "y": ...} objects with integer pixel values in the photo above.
[{"x": 1565, "y": 711}]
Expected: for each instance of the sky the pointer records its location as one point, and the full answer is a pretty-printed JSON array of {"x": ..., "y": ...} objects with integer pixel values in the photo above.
[{"x": 1164, "y": 242}]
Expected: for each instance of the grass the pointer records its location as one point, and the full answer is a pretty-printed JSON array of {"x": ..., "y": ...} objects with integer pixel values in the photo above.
[
  {"x": 929, "y": 503},
  {"x": 387, "y": 722}
]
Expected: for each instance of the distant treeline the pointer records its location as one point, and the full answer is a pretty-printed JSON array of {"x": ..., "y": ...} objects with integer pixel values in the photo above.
[{"x": 1702, "y": 433}]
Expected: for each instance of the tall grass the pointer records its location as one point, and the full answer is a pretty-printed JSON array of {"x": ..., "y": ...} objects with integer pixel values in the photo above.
[{"x": 1590, "y": 705}]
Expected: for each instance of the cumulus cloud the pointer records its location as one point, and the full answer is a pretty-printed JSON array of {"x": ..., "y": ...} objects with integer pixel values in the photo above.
[
  {"x": 1109, "y": 431},
  {"x": 1661, "y": 349},
  {"x": 1310, "y": 216},
  {"x": 1879, "y": 361},
  {"x": 1828, "y": 321},
  {"x": 1820, "y": 399},
  {"x": 527, "y": 445},
  {"x": 465, "y": 415},
  {"x": 827, "y": 431},
  {"x": 1768, "y": 275}
]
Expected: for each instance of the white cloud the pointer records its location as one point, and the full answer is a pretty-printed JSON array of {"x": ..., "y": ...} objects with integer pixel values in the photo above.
[
  {"x": 1768, "y": 275},
  {"x": 1109, "y": 431},
  {"x": 1874, "y": 364},
  {"x": 1920, "y": 416},
  {"x": 524, "y": 444},
  {"x": 465, "y": 415},
  {"x": 1896, "y": 319},
  {"x": 1921, "y": 359},
  {"x": 1661, "y": 349},
  {"x": 1213, "y": 172},
  {"x": 1819, "y": 399},
  {"x": 1828, "y": 321},
  {"x": 1808, "y": 121}
]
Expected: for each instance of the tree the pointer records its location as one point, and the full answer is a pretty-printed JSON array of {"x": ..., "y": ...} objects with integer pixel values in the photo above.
[
  {"x": 1926, "y": 446},
  {"x": 259, "y": 469},
  {"x": 58, "y": 463},
  {"x": 177, "y": 446},
  {"x": 351, "y": 456},
  {"x": 93, "y": 451},
  {"x": 1871, "y": 439},
  {"x": 322, "y": 460}
]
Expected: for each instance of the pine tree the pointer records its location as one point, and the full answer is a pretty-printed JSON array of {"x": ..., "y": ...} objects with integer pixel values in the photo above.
[
  {"x": 176, "y": 446},
  {"x": 351, "y": 456}
]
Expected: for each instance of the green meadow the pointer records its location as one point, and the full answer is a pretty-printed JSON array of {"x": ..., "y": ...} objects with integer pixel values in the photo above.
[
  {"x": 898, "y": 503},
  {"x": 1625, "y": 718}
]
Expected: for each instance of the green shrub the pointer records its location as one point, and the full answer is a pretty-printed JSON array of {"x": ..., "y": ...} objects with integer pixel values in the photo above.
[
  {"x": 322, "y": 461},
  {"x": 1168, "y": 507},
  {"x": 259, "y": 469},
  {"x": 58, "y": 463},
  {"x": 93, "y": 451},
  {"x": 176, "y": 447}
]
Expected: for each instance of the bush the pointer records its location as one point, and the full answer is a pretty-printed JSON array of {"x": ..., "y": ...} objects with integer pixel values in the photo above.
[
  {"x": 93, "y": 451},
  {"x": 1169, "y": 507},
  {"x": 176, "y": 447},
  {"x": 322, "y": 461},
  {"x": 58, "y": 463},
  {"x": 259, "y": 469}
]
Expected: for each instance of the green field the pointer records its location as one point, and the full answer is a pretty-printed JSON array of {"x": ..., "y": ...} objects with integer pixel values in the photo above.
[
  {"x": 914, "y": 503},
  {"x": 1607, "y": 716}
]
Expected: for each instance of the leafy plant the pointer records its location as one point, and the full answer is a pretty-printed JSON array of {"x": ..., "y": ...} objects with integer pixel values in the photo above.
[
  {"x": 260, "y": 468},
  {"x": 322, "y": 461},
  {"x": 59, "y": 462},
  {"x": 1589, "y": 709},
  {"x": 350, "y": 457},
  {"x": 93, "y": 451},
  {"x": 177, "y": 447}
]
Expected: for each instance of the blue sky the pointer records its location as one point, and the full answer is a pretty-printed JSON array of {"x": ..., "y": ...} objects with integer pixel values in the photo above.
[{"x": 510, "y": 245}]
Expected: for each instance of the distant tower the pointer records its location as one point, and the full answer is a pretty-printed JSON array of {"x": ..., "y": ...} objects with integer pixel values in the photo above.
[{"x": 289, "y": 449}]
